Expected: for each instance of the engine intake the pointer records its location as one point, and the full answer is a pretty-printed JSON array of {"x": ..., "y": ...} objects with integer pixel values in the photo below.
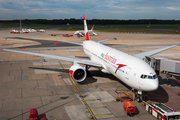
[{"x": 77, "y": 73}]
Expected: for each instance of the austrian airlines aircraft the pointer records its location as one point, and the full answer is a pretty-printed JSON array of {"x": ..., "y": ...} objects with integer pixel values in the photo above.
[
  {"x": 82, "y": 32},
  {"x": 132, "y": 70}
]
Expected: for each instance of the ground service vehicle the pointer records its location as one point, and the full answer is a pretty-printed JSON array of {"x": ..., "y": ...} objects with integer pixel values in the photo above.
[
  {"x": 53, "y": 34},
  {"x": 129, "y": 107},
  {"x": 162, "y": 111},
  {"x": 33, "y": 114}
]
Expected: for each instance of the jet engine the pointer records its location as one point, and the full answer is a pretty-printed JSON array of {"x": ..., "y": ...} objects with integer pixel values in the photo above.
[{"x": 77, "y": 73}]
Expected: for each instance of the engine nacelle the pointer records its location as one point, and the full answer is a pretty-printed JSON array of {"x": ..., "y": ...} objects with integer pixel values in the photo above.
[{"x": 77, "y": 73}]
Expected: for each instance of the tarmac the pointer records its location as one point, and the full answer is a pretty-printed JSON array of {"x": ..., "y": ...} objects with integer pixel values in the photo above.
[{"x": 29, "y": 81}]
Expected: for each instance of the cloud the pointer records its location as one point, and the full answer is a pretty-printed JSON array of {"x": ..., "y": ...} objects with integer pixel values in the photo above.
[
  {"x": 94, "y": 9},
  {"x": 144, "y": 8},
  {"x": 173, "y": 8}
]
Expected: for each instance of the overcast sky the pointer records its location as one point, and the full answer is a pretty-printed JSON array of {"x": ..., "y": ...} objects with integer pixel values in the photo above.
[{"x": 93, "y": 9}]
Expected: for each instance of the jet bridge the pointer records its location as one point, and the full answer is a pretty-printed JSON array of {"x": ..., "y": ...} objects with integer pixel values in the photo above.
[{"x": 166, "y": 66}]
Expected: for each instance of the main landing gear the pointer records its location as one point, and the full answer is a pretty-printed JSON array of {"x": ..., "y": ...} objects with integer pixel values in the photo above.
[{"x": 87, "y": 70}]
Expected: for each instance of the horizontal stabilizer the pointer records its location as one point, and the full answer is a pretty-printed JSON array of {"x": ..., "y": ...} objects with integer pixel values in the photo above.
[
  {"x": 102, "y": 40},
  {"x": 71, "y": 42}
]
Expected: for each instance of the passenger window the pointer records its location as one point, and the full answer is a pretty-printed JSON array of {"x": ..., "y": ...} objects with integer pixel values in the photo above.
[{"x": 141, "y": 76}]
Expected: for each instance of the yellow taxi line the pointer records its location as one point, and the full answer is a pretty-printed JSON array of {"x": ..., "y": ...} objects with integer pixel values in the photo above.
[{"x": 79, "y": 94}]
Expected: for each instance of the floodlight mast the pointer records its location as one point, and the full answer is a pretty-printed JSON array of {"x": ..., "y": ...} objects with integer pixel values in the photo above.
[{"x": 20, "y": 26}]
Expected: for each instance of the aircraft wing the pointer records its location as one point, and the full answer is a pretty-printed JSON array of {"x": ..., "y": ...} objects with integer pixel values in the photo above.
[
  {"x": 153, "y": 52},
  {"x": 70, "y": 59},
  {"x": 71, "y": 42}
]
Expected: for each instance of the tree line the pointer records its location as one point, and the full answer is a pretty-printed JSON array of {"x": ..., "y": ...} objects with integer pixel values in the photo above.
[{"x": 92, "y": 21}]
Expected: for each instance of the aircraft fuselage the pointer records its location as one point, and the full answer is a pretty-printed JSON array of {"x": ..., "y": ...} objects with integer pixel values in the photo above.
[{"x": 125, "y": 67}]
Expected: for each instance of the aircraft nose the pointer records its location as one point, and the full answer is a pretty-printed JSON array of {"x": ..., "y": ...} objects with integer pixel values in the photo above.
[{"x": 153, "y": 85}]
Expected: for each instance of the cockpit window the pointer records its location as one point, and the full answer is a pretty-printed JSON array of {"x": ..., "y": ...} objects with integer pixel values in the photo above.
[
  {"x": 145, "y": 76},
  {"x": 142, "y": 76},
  {"x": 154, "y": 76},
  {"x": 148, "y": 76}
]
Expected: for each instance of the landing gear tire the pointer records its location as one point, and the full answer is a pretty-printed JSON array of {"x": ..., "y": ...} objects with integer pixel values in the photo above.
[{"x": 139, "y": 99}]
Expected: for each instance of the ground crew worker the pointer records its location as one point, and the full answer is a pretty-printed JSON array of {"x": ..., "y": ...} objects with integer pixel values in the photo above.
[
  {"x": 136, "y": 94},
  {"x": 176, "y": 117},
  {"x": 145, "y": 99}
]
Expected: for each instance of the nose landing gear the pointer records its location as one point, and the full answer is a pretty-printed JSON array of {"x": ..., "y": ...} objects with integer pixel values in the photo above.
[{"x": 141, "y": 96}]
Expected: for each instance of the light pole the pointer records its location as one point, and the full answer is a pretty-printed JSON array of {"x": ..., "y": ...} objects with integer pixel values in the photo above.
[{"x": 20, "y": 26}]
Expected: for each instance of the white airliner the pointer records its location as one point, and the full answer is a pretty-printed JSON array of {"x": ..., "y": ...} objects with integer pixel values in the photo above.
[
  {"x": 14, "y": 31},
  {"x": 82, "y": 32},
  {"x": 41, "y": 30},
  {"x": 132, "y": 70}
]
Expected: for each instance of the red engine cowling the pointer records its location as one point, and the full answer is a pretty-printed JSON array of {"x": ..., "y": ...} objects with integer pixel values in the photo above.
[{"x": 77, "y": 73}]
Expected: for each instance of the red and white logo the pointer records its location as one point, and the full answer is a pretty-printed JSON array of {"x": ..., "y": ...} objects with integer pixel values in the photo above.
[
  {"x": 119, "y": 66},
  {"x": 110, "y": 58}
]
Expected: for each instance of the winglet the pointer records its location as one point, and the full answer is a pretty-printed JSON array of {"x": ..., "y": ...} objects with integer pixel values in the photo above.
[{"x": 86, "y": 30}]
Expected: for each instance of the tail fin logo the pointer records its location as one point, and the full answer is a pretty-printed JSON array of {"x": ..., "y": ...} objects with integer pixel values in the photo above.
[
  {"x": 86, "y": 29},
  {"x": 92, "y": 28},
  {"x": 87, "y": 37}
]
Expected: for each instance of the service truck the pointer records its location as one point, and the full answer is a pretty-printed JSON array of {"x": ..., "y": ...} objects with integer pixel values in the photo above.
[{"x": 162, "y": 111}]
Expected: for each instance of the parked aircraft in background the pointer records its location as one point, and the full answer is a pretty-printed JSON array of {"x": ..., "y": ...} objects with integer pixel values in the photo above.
[
  {"x": 131, "y": 69},
  {"x": 28, "y": 30},
  {"x": 81, "y": 33},
  {"x": 14, "y": 31},
  {"x": 41, "y": 30},
  {"x": 24, "y": 30}
]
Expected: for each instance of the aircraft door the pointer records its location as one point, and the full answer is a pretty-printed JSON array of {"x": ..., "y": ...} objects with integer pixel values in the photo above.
[{"x": 127, "y": 73}]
